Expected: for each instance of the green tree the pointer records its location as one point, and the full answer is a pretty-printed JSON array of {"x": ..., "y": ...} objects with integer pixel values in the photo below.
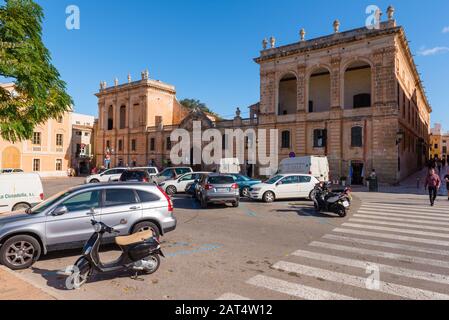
[
  {"x": 39, "y": 92},
  {"x": 192, "y": 104}
]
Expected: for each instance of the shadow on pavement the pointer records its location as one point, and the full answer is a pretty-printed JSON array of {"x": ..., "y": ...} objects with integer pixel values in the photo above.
[{"x": 309, "y": 212}]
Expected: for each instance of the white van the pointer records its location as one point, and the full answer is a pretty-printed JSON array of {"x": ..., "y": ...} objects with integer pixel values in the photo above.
[
  {"x": 20, "y": 191},
  {"x": 313, "y": 165},
  {"x": 229, "y": 166}
]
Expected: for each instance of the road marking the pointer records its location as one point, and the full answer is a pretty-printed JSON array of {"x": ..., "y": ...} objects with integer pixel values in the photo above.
[
  {"x": 381, "y": 254},
  {"x": 402, "y": 214},
  {"x": 295, "y": 289},
  {"x": 406, "y": 208},
  {"x": 409, "y": 273},
  {"x": 387, "y": 218},
  {"x": 409, "y": 212},
  {"x": 232, "y": 297},
  {"x": 387, "y": 244},
  {"x": 409, "y": 231},
  {"x": 346, "y": 279},
  {"x": 392, "y": 236},
  {"x": 399, "y": 224}
]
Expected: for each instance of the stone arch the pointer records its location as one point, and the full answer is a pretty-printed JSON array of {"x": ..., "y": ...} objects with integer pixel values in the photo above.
[
  {"x": 319, "y": 88},
  {"x": 11, "y": 158},
  {"x": 357, "y": 83},
  {"x": 287, "y": 93}
]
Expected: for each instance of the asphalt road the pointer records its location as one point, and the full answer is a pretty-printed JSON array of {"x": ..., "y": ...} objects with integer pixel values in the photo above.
[{"x": 212, "y": 252}]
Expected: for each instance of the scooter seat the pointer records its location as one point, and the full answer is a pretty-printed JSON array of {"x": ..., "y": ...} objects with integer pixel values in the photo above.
[{"x": 134, "y": 238}]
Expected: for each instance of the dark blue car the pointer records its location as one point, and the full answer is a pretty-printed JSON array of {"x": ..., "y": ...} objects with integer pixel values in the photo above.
[{"x": 244, "y": 183}]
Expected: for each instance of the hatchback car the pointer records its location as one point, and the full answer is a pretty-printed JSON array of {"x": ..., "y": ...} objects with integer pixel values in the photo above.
[
  {"x": 170, "y": 173},
  {"x": 218, "y": 188},
  {"x": 133, "y": 175},
  {"x": 63, "y": 221},
  {"x": 179, "y": 185},
  {"x": 106, "y": 176},
  {"x": 284, "y": 186}
]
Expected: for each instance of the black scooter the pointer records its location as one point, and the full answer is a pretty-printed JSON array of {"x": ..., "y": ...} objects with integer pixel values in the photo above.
[
  {"x": 140, "y": 252},
  {"x": 325, "y": 200}
]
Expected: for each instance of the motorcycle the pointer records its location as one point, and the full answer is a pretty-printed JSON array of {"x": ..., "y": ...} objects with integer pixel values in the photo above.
[
  {"x": 140, "y": 252},
  {"x": 325, "y": 200}
]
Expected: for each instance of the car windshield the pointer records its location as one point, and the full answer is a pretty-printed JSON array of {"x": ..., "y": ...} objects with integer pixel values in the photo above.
[
  {"x": 221, "y": 180},
  {"x": 273, "y": 180},
  {"x": 49, "y": 202}
]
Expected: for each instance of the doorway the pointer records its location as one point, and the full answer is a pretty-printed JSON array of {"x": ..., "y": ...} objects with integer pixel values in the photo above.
[{"x": 357, "y": 173}]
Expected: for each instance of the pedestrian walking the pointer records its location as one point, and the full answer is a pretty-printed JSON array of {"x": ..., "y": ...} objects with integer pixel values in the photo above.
[
  {"x": 433, "y": 184},
  {"x": 446, "y": 179}
]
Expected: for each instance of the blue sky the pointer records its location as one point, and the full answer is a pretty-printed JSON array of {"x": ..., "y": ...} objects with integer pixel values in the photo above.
[{"x": 205, "y": 48}]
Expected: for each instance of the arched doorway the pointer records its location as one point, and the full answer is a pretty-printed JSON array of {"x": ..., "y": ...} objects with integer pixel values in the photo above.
[
  {"x": 11, "y": 158},
  {"x": 357, "y": 85},
  {"x": 288, "y": 94}
]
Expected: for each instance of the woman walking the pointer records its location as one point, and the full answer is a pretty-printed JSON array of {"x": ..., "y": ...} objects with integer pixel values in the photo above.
[{"x": 433, "y": 183}]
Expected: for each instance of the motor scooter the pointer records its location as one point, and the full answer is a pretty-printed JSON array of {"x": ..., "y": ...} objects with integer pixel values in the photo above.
[
  {"x": 324, "y": 200},
  {"x": 140, "y": 252}
]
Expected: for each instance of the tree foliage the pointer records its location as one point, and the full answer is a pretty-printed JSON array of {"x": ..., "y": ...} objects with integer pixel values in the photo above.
[
  {"x": 192, "y": 104},
  {"x": 39, "y": 92}
]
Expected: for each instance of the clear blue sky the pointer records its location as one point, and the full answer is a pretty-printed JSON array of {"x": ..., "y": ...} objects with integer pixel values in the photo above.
[{"x": 205, "y": 48}]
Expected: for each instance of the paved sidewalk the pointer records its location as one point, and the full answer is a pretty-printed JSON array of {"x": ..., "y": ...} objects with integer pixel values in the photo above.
[{"x": 12, "y": 287}]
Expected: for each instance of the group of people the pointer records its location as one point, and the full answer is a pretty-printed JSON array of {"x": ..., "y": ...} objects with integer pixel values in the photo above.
[{"x": 434, "y": 183}]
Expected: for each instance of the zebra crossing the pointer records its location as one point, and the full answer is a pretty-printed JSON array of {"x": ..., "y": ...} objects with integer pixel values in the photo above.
[{"x": 396, "y": 250}]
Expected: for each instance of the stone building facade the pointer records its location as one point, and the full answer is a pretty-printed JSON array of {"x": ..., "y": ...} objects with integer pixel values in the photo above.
[
  {"x": 82, "y": 144},
  {"x": 354, "y": 96}
]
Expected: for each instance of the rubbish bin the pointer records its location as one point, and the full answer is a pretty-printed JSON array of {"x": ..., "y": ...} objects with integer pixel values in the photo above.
[{"x": 373, "y": 185}]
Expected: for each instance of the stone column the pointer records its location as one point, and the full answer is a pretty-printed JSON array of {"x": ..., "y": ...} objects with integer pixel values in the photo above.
[
  {"x": 301, "y": 135},
  {"x": 335, "y": 123},
  {"x": 267, "y": 92}
]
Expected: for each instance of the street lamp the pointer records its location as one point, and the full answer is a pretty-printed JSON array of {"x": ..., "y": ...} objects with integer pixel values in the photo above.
[{"x": 399, "y": 137}]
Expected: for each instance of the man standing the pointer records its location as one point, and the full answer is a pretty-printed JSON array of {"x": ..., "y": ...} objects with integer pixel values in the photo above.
[
  {"x": 446, "y": 178},
  {"x": 433, "y": 183}
]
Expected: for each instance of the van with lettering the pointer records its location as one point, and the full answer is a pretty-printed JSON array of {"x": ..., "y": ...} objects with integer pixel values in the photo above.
[{"x": 20, "y": 191}]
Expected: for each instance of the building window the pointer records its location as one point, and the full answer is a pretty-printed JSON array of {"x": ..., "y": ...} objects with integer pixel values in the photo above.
[
  {"x": 110, "y": 118},
  {"x": 122, "y": 117},
  {"x": 152, "y": 144},
  {"x": 59, "y": 140},
  {"x": 86, "y": 134},
  {"x": 120, "y": 145},
  {"x": 319, "y": 138},
  {"x": 36, "y": 165},
  {"x": 168, "y": 143},
  {"x": 310, "y": 106},
  {"x": 108, "y": 144},
  {"x": 133, "y": 145},
  {"x": 356, "y": 137},
  {"x": 37, "y": 138},
  {"x": 285, "y": 140},
  {"x": 224, "y": 142},
  {"x": 362, "y": 100},
  {"x": 58, "y": 165},
  {"x": 59, "y": 119},
  {"x": 79, "y": 133}
]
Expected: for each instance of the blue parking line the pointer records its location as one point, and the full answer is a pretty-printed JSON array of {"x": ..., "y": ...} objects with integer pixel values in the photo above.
[{"x": 203, "y": 248}]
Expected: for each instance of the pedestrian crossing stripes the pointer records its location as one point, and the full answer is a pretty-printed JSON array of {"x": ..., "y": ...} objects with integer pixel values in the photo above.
[{"x": 405, "y": 242}]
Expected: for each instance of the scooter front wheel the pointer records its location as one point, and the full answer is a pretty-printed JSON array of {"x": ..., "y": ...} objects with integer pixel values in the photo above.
[
  {"x": 341, "y": 211},
  {"x": 79, "y": 275},
  {"x": 151, "y": 264}
]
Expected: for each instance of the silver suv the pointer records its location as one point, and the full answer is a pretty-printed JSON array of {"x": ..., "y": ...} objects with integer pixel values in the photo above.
[{"x": 63, "y": 221}]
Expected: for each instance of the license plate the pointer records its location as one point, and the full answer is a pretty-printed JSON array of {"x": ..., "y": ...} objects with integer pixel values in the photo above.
[
  {"x": 346, "y": 204},
  {"x": 222, "y": 189}
]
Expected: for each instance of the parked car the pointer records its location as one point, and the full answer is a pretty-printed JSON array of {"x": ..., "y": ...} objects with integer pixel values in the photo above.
[
  {"x": 152, "y": 171},
  {"x": 134, "y": 175},
  {"x": 20, "y": 191},
  {"x": 170, "y": 173},
  {"x": 106, "y": 176},
  {"x": 284, "y": 186},
  {"x": 11, "y": 171},
  {"x": 245, "y": 183},
  {"x": 192, "y": 187},
  {"x": 63, "y": 221},
  {"x": 218, "y": 188},
  {"x": 173, "y": 186}
]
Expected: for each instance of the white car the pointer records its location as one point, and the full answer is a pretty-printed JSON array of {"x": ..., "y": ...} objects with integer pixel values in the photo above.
[
  {"x": 106, "y": 176},
  {"x": 152, "y": 171},
  {"x": 20, "y": 191},
  {"x": 174, "y": 186},
  {"x": 284, "y": 186}
]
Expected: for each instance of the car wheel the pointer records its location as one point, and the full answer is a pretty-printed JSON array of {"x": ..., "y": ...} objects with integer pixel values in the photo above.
[
  {"x": 236, "y": 204},
  {"x": 21, "y": 206},
  {"x": 145, "y": 226},
  {"x": 20, "y": 252},
  {"x": 312, "y": 195},
  {"x": 94, "y": 181},
  {"x": 245, "y": 192},
  {"x": 268, "y": 197},
  {"x": 171, "y": 190}
]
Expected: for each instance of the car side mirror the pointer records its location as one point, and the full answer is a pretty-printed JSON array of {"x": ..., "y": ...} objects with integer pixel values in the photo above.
[{"x": 60, "y": 211}]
